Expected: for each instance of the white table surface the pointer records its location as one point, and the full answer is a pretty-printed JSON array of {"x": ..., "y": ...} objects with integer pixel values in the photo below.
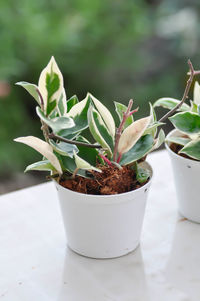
[{"x": 36, "y": 265}]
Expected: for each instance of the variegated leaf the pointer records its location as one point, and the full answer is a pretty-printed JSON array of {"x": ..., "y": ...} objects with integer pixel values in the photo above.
[
  {"x": 99, "y": 130},
  {"x": 191, "y": 149},
  {"x": 105, "y": 114},
  {"x": 62, "y": 104},
  {"x": 139, "y": 150},
  {"x": 196, "y": 93},
  {"x": 170, "y": 103},
  {"x": 72, "y": 102},
  {"x": 43, "y": 148},
  {"x": 121, "y": 109},
  {"x": 79, "y": 114},
  {"x": 44, "y": 165},
  {"x": 50, "y": 83},
  {"x": 132, "y": 134},
  {"x": 63, "y": 148},
  {"x": 32, "y": 90},
  {"x": 82, "y": 164},
  {"x": 56, "y": 124},
  {"x": 159, "y": 140}
]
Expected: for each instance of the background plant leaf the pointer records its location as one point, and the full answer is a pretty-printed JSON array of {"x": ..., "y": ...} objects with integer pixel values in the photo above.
[
  {"x": 192, "y": 149},
  {"x": 186, "y": 122},
  {"x": 170, "y": 103}
]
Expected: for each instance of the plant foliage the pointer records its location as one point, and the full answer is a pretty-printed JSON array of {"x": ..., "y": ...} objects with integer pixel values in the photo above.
[{"x": 65, "y": 120}]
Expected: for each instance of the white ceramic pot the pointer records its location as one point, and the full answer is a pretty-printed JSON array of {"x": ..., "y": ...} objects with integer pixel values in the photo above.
[
  {"x": 103, "y": 226},
  {"x": 186, "y": 177}
]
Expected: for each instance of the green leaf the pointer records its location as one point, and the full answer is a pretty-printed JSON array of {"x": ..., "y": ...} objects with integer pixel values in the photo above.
[
  {"x": 63, "y": 148},
  {"x": 187, "y": 122},
  {"x": 82, "y": 164},
  {"x": 139, "y": 150},
  {"x": 178, "y": 140},
  {"x": 56, "y": 124},
  {"x": 170, "y": 103},
  {"x": 44, "y": 165},
  {"x": 72, "y": 102},
  {"x": 32, "y": 90},
  {"x": 142, "y": 174},
  {"x": 105, "y": 114},
  {"x": 51, "y": 107},
  {"x": 192, "y": 149},
  {"x": 86, "y": 153},
  {"x": 194, "y": 107},
  {"x": 99, "y": 130},
  {"x": 69, "y": 165},
  {"x": 79, "y": 114},
  {"x": 120, "y": 109},
  {"x": 52, "y": 84}
]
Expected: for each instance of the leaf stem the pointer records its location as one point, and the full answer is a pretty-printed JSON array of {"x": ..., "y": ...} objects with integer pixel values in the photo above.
[
  {"x": 185, "y": 94},
  {"x": 78, "y": 143},
  {"x": 120, "y": 128}
]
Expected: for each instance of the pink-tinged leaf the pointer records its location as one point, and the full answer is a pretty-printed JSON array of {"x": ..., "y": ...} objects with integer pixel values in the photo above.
[{"x": 132, "y": 134}]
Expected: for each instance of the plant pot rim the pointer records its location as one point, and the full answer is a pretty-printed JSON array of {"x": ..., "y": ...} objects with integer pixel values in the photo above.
[
  {"x": 173, "y": 153},
  {"x": 112, "y": 195}
]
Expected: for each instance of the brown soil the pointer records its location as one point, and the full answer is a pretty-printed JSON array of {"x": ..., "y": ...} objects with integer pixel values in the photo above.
[
  {"x": 111, "y": 181},
  {"x": 176, "y": 148}
]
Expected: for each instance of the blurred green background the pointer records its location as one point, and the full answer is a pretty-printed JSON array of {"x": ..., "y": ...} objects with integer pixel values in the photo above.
[{"x": 117, "y": 50}]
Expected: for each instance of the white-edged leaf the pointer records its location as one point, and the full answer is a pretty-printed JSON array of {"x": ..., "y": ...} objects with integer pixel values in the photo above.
[
  {"x": 56, "y": 124},
  {"x": 99, "y": 131},
  {"x": 71, "y": 102},
  {"x": 152, "y": 128},
  {"x": 191, "y": 149},
  {"x": 31, "y": 89},
  {"x": 44, "y": 165},
  {"x": 132, "y": 134},
  {"x": 50, "y": 70},
  {"x": 62, "y": 104},
  {"x": 43, "y": 148},
  {"x": 79, "y": 114},
  {"x": 63, "y": 148},
  {"x": 105, "y": 114},
  {"x": 196, "y": 93},
  {"x": 152, "y": 114},
  {"x": 170, "y": 103},
  {"x": 142, "y": 147},
  {"x": 178, "y": 140},
  {"x": 82, "y": 164},
  {"x": 121, "y": 109},
  {"x": 78, "y": 107},
  {"x": 159, "y": 140}
]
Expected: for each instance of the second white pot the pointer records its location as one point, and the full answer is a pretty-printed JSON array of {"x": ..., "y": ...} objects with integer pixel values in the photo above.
[
  {"x": 104, "y": 226},
  {"x": 186, "y": 177}
]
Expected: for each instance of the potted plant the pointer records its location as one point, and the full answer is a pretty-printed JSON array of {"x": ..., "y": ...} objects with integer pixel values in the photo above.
[
  {"x": 102, "y": 186},
  {"x": 183, "y": 146}
]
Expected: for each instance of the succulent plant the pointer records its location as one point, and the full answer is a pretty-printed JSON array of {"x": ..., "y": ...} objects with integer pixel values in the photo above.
[{"x": 64, "y": 121}]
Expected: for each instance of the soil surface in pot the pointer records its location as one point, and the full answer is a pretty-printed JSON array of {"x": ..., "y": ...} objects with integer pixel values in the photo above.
[
  {"x": 112, "y": 180},
  {"x": 176, "y": 148}
]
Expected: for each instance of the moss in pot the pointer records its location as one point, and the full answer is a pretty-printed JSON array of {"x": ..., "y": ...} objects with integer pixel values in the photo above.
[
  {"x": 103, "y": 185},
  {"x": 183, "y": 145}
]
